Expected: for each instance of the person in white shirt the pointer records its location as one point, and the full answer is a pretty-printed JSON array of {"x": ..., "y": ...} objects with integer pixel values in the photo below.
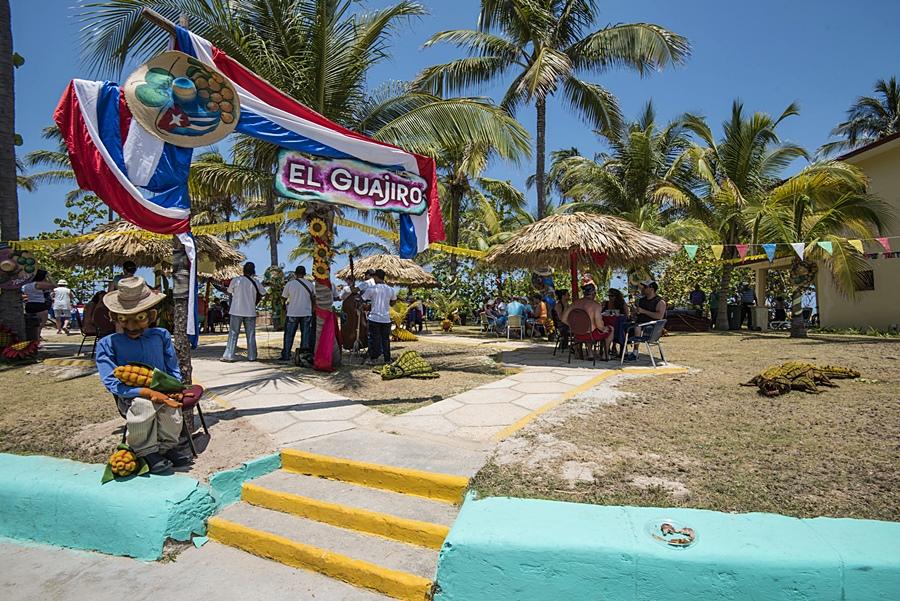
[
  {"x": 246, "y": 292},
  {"x": 63, "y": 299},
  {"x": 300, "y": 294},
  {"x": 382, "y": 298}
]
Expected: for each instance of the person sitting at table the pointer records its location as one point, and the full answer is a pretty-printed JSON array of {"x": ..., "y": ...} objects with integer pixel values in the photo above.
[
  {"x": 615, "y": 302},
  {"x": 599, "y": 330},
  {"x": 513, "y": 307},
  {"x": 539, "y": 313},
  {"x": 562, "y": 329},
  {"x": 650, "y": 307}
]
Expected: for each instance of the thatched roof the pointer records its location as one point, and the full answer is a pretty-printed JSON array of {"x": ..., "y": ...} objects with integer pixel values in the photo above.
[
  {"x": 550, "y": 241},
  {"x": 400, "y": 272},
  {"x": 120, "y": 241}
]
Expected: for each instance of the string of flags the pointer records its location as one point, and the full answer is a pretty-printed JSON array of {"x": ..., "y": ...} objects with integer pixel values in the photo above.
[{"x": 800, "y": 248}]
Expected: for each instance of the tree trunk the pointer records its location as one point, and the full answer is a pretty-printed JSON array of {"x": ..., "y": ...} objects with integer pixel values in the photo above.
[
  {"x": 541, "y": 106},
  {"x": 455, "y": 194},
  {"x": 272, "y": 231},
  {"x": 724, "y": 284},
  {"x": 180, "y": 290},
  {"x": 11, "y": 313},
  {"x": 9, "y": 202}
]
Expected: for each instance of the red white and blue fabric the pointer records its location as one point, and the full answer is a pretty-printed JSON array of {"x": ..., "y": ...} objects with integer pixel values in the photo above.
[
  {"x": 269, "y": 114},
  {"x": 139, "y": 176}
]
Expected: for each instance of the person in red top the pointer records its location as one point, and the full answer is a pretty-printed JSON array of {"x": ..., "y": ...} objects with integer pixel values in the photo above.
[{"x": 587, "y": 303}]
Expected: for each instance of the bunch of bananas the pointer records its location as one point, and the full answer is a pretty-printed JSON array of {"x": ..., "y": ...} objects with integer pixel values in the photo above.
[
  {"x": 123, "y": 463},
  {"x": 403, "y": 335}
]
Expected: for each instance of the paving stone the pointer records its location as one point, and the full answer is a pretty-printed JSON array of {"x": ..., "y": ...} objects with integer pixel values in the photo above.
[
  {"x": 578, "y": 380},
  {"x": 328, "y": 411},
  {"x": 504, "y": 383},
  {"x": 270, "y": 422},
  {"x": 478, "y": 433},
  {"x": 317, "y": 394},
  {"x": 306, "y": 430},
  {"x": 535, "y": 376},
  {"x": 536, "y": 401},
  {"x": 264, "y": 401},
  {"x": 487, "y": 415},
  {"x": 439, "y": 408},
  {"x": 478, "y": 396},
  {"x": 542, "y": 387},
  {"x": 432, "y": 424}
]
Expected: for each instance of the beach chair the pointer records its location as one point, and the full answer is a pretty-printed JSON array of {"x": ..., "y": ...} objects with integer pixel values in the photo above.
[
  {"x": 650, "y": 334},
  {"x": 515, "y": 322}
]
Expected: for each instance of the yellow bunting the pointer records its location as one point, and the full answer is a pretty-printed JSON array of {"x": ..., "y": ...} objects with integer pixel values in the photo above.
[
  {"x": 455, "y": 250},
  {"x": 215, "y": 229},
  {"x": 858, "y": 245},
  {"x": 717, "y": 250}
]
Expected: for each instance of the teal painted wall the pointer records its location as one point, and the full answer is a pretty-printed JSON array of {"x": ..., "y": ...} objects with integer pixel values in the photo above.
[
  {"x": 226, "y": 485},
  {"x": 62, "y": 502},
  {"x": 502, "y": 549}
]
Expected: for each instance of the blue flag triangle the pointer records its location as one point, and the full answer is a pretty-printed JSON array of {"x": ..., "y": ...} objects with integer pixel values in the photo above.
[{"x": 770, "y": 251}]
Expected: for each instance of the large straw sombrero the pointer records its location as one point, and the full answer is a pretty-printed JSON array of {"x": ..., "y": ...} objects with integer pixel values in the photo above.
[
  {"x": 132, "y": 295},
  {"x": 182, "y": 101}
]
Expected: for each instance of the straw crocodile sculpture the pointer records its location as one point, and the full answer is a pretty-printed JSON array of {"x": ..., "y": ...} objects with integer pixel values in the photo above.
[{"x": 796, "y": 375}]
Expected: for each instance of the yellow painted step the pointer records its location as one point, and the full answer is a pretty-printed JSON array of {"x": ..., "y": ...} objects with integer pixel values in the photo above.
[
  {"x": 443, "y": 487},
  {"x": 414, "y": 532},
  {"x": 394, "y": 583}
]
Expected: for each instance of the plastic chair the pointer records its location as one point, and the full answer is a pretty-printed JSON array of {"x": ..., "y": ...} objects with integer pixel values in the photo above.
[
  {"x": 650, "y": 334},
  {"x": 581, "y": 330},
  {"x": 88, "y": 329},
  {"x": 514, "y": 322},
  {"x": 122, "y": 405}
]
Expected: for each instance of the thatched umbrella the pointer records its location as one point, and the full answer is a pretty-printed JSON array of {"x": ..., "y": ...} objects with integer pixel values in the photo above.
[
  {"x": 399, "y": 272},
  {"x": 566, "y": 240},
  {"x": 120, "y": 241}
]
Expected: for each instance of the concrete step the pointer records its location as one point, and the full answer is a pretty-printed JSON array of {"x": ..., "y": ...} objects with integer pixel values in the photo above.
[
  {"x": 406, "y": 518},
  {"x": 431, "y": 485},
  {"x": 393, "y": 568}
]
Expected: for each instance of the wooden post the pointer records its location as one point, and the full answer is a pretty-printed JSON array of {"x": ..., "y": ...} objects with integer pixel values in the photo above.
[{"x": 573, "y": 272}]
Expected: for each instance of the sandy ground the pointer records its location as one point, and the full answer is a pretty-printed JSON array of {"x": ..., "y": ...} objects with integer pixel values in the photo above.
[{"x": 702, "y": 440}]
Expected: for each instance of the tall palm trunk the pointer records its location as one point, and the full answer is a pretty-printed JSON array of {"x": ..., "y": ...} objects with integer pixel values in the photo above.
[
  {"x": 722, "y": 324},
  {"x": 455, "y": 192},
  {"x": 324, "y": 295},
  {"x": 180, "y": 292},
  {"x": 272, "y": 230},
  {"x": 11, "y": 314},
  {"x": 541, "y": 106}
]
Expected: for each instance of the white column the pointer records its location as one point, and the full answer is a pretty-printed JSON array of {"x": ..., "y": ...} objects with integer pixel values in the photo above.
[{"x": 761, "y": 312}]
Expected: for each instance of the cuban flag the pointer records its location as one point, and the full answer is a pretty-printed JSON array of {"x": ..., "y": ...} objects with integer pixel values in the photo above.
[
  {"x": 269, "y": 114},
  {"x": 139, "y": 176}
]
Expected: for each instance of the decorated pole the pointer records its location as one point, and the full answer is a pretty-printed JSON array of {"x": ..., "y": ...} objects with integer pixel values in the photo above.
[{"x": 320, "y": 224}]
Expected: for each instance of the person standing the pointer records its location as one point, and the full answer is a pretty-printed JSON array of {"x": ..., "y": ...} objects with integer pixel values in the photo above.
[
  {"x": 698, "y": 299},
  {"x": 748, "y": 301},
  {"x": 36, "y": 292},
  {"x": 382, "y": 297},
  {"x": 129, "y": 268},
  {"x": 246, "y": 292},
  {"x": 300, "y": 300},
  {"x": 63, "y": 299}
]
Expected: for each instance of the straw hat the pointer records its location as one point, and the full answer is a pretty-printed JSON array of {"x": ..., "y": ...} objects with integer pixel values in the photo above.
[
  {"x": 182, "y": 101},
  {"x": 132, "y": 296}
]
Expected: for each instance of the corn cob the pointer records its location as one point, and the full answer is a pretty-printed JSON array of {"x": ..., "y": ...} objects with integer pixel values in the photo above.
[{"x": 134, "y": 375}]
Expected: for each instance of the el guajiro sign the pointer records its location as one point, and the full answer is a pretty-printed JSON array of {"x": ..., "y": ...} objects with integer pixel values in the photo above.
[{"x": 349, "y": 182}]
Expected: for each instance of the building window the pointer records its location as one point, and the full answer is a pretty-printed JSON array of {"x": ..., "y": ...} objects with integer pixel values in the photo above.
[{"x": 865, "y": 280}]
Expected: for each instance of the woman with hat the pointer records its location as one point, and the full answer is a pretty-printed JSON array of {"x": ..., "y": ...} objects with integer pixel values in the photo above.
[
  {"x": 153, "y": 418},
  {"x": 63, "y": 299}
]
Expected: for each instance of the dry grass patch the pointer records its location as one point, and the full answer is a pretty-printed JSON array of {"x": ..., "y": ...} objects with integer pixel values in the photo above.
[{"x": 701, "y": 440}]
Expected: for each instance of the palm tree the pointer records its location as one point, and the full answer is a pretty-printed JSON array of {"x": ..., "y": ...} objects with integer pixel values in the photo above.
[
  {"x": 869, "y": 119},
  {"x": 643, "y": 157},
  {"x": 735, "y": 171},
  {"x": 545, "y": 45},
  {"x": 825, "y": 203}
]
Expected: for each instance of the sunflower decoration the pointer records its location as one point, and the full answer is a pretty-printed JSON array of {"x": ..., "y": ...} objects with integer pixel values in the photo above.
[
  {"x": 21, "y": 351},
  {"x": 320, "y": 270},
  {"x": 321, "y": 254},
  {"x": 317, "y": 227}
]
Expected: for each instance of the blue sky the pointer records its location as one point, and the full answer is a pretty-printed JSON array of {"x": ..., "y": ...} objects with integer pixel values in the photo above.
[{"x": 768, "y": 53}]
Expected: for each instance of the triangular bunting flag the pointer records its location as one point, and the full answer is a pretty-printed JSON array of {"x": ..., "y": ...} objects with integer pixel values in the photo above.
[
  {"x": 742, "y": 249},
  {"x": 717, "y": 250},
  {"x": 885, "y": 243},
  {"x": 798, "y": 248},
  {"x": 691, "y": 250},
  {"x": 826, "y": 245},
  {"x": 858, "y": 245},
  {"x": 770, "y": 251}
]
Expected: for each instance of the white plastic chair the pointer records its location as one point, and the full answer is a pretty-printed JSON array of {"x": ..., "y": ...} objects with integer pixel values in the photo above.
[{"x": 514, "y": 322}]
